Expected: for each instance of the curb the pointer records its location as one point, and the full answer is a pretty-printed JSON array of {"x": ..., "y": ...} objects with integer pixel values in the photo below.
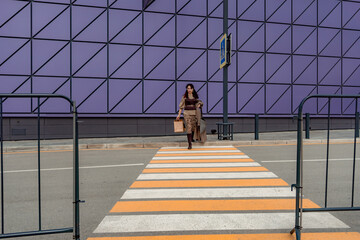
[{"x": 110, "y": 146}]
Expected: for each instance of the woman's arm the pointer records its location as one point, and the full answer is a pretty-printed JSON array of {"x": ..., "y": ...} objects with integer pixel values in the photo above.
[{"x": 178, "y": 116}]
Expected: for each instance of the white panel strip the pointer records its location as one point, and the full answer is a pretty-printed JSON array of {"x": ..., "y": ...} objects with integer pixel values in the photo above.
[
  {"x": 198, "y": 147},
  {"x": 197, "y": 165},
  {"x": 192, "y": 151},
  {"x": 210, "y": 222},
  {"x": 208, "y": 193},
  {"x": 202, "y": 157},
  {"x": 231, "y": 175}
]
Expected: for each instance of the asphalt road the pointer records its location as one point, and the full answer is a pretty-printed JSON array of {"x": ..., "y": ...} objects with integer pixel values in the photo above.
[{"x": 106, "y": 174}]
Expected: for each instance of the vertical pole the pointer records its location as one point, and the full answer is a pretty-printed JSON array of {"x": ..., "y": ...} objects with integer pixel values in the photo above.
[
  {"x": 256, "y": 126},
  {"x": 225, "y": 71},
  {"x": 39, "y": 166},
  {"x": 307, "y": 126},
  {"x": 76, "y": 174},
  {"x": 327, "y": 154},
  {"x": 2, "y": 166},
  {"x": 354, "y": 161},
  {"x": 356, "y": 122}
]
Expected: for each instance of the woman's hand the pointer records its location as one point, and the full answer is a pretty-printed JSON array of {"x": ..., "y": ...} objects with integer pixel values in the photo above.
[{"x": 178, "y": 117}]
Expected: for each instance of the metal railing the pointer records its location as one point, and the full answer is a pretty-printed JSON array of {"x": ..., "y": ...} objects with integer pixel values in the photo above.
[
  {"x": 299, "y": 164},
  {"x": 75, "y": 229}
]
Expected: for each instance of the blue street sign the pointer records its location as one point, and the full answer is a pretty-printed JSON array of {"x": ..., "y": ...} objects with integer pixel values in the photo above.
[{"x": 223, "y": 61}]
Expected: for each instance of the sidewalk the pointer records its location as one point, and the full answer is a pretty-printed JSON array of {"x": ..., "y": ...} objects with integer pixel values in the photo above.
[{"x": 318, "y": 136}]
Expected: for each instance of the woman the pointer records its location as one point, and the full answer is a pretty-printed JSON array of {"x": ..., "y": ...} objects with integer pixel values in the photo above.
[{"x": 190, "y": 103}]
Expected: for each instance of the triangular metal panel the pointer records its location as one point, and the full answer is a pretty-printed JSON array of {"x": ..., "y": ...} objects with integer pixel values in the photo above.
[
  {"x": 120, "y": 89},
  {"x": 153, "y": 91},
  {"x": 348, "y": 105},
  {"x": 275, "y": 65},
  {"x": 96, "y": 31},
  {"x": 251, "y": 36},
  {"x": 97, "y": 3},
  {"x": 51, "y": 85},
  {"x": 125, "y": 26},
  {"x": 351, "y": 44},
  {"x": 197, "y": 7},
  {"x": 57, "y": 66},
  {"x": 129, "y": 4},
  {"x": 162, "y": 6},
  {"x": 251, "y": 67},
  {"x": 329, "y": 46},
  {"x": 45, "y": 50},
  {"x": 153, "y": 56},
  {"x": 251, "y": 10},
  {"x": 19, "y": 63},
  {"x": 278, "y": 99},
  {"x": 215, "y": 74},
  {"x": 165, "y": 103},
  {"x": 19, "y": 104},
  {"x": 351, "y": 72},
  {"x": 83, "y": 16},
  {"x": 304, "y": 70},
  {"x": 185, "y": 25},
  {"x": 84, "y": 88},
  {"x": 45, "y": 15},
  {"x": 130, "y": 94},
  {"x": 15, "y": 26},
  {"x": 197, "y": 38},
  {"x": 304, "y": 40},
  {"x": 299, "y": 92},
  {"x": 278, "y": 11},
  {"x": 96, "y": 102},
  {"x": 56, "y": 29},
  {"x": 215, "y": 102},
  {"x": 329, "y": 13},
  {"x": 165, "y": 69},
  {"x": 214, "y": 32},
  {"x": 165, "y": 36},
  {"x": 153, "y": 22},
  {"x": 305, "y": 12},
  {"x": 125, "y": 61},
  {"x": 335, "y": 105},
  {"x": 82, "y": 52},
  {"x": 215, "y": 8},
  {"x": 251, "y": 98},
  {"x": 329, "y": 71},
  {"x": 96, "y": 67},
  {"x": 278, "y": 38},
  {"x": 191, "y": 64},
  {"x": 352, "y": 17}
]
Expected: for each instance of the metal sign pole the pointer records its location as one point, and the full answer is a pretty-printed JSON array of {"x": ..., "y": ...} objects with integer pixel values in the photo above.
[{"x": 225, "y": 72}]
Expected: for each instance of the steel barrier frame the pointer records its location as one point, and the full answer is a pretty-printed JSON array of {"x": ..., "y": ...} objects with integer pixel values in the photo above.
[
  {"x": 299, "y": 164},
  {"x": 75, "y": 229}
]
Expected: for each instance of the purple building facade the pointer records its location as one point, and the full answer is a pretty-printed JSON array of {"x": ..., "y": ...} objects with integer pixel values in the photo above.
[{"x": 116, "y": 60}]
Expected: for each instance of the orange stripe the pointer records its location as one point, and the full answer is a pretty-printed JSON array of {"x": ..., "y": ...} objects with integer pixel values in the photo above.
[
  {"x": 209, "y": 205},
  {"x": 221, "y": 169},
  {"x": 203, "y": 160},
  {"x": 197, "y": 154},
  {"x": 196, "y": 149},
  {"x": 209, "y": 183},
  {"x": 264, "y": 236}
]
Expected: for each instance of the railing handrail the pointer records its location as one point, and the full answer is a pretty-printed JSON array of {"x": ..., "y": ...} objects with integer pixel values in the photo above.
[
  {"x": 299, "y": 161},
  {"x": 76, "y": 201}
]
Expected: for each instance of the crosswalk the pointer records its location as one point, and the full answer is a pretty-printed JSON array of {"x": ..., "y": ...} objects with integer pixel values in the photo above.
[{"x": 209, "y": 193}]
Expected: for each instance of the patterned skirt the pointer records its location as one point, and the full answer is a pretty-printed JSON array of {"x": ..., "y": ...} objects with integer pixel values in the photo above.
[{"x": 191, "y": 123}]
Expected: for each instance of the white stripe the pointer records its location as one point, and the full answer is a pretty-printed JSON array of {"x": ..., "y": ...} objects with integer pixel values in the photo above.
[
  {"x": 201, "y": 157},
  {"x": 208, "y": 151},
  {"x": 235, "y": 175},
  {"x": 208, "y": 193},
  {"x": 88, "y": 167},
  {"x": 211, "y": 222},
  {"x": 196, "y": 165},
  {"x": 312, "y": 160},
  {"x": 199, "y": 147}
]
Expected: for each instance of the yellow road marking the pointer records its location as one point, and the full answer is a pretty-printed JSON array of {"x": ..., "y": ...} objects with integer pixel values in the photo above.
[
  {"x": 209, "y": 205},
  {"x": 264, "y": 236}
]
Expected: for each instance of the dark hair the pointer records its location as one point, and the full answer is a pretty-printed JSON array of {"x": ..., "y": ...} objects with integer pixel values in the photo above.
[{"x": 196, "y": 96}]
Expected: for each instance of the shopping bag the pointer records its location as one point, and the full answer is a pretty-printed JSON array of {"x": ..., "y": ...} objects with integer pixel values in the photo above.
[
  {"x": 179, "y": 126},
  {"x": 202, "y": 125}
]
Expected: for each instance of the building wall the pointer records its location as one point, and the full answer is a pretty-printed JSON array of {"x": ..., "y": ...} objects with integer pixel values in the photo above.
[{"x": 114, "y": 59}]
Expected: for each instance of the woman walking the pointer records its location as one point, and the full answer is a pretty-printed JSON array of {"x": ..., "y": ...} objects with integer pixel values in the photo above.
[{"x": 190, "y": 103}]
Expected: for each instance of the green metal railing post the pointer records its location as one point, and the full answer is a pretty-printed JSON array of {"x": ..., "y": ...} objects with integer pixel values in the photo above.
[
  {"x": 307, "y": 125},
  {"x": 256, "y": 127}
]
